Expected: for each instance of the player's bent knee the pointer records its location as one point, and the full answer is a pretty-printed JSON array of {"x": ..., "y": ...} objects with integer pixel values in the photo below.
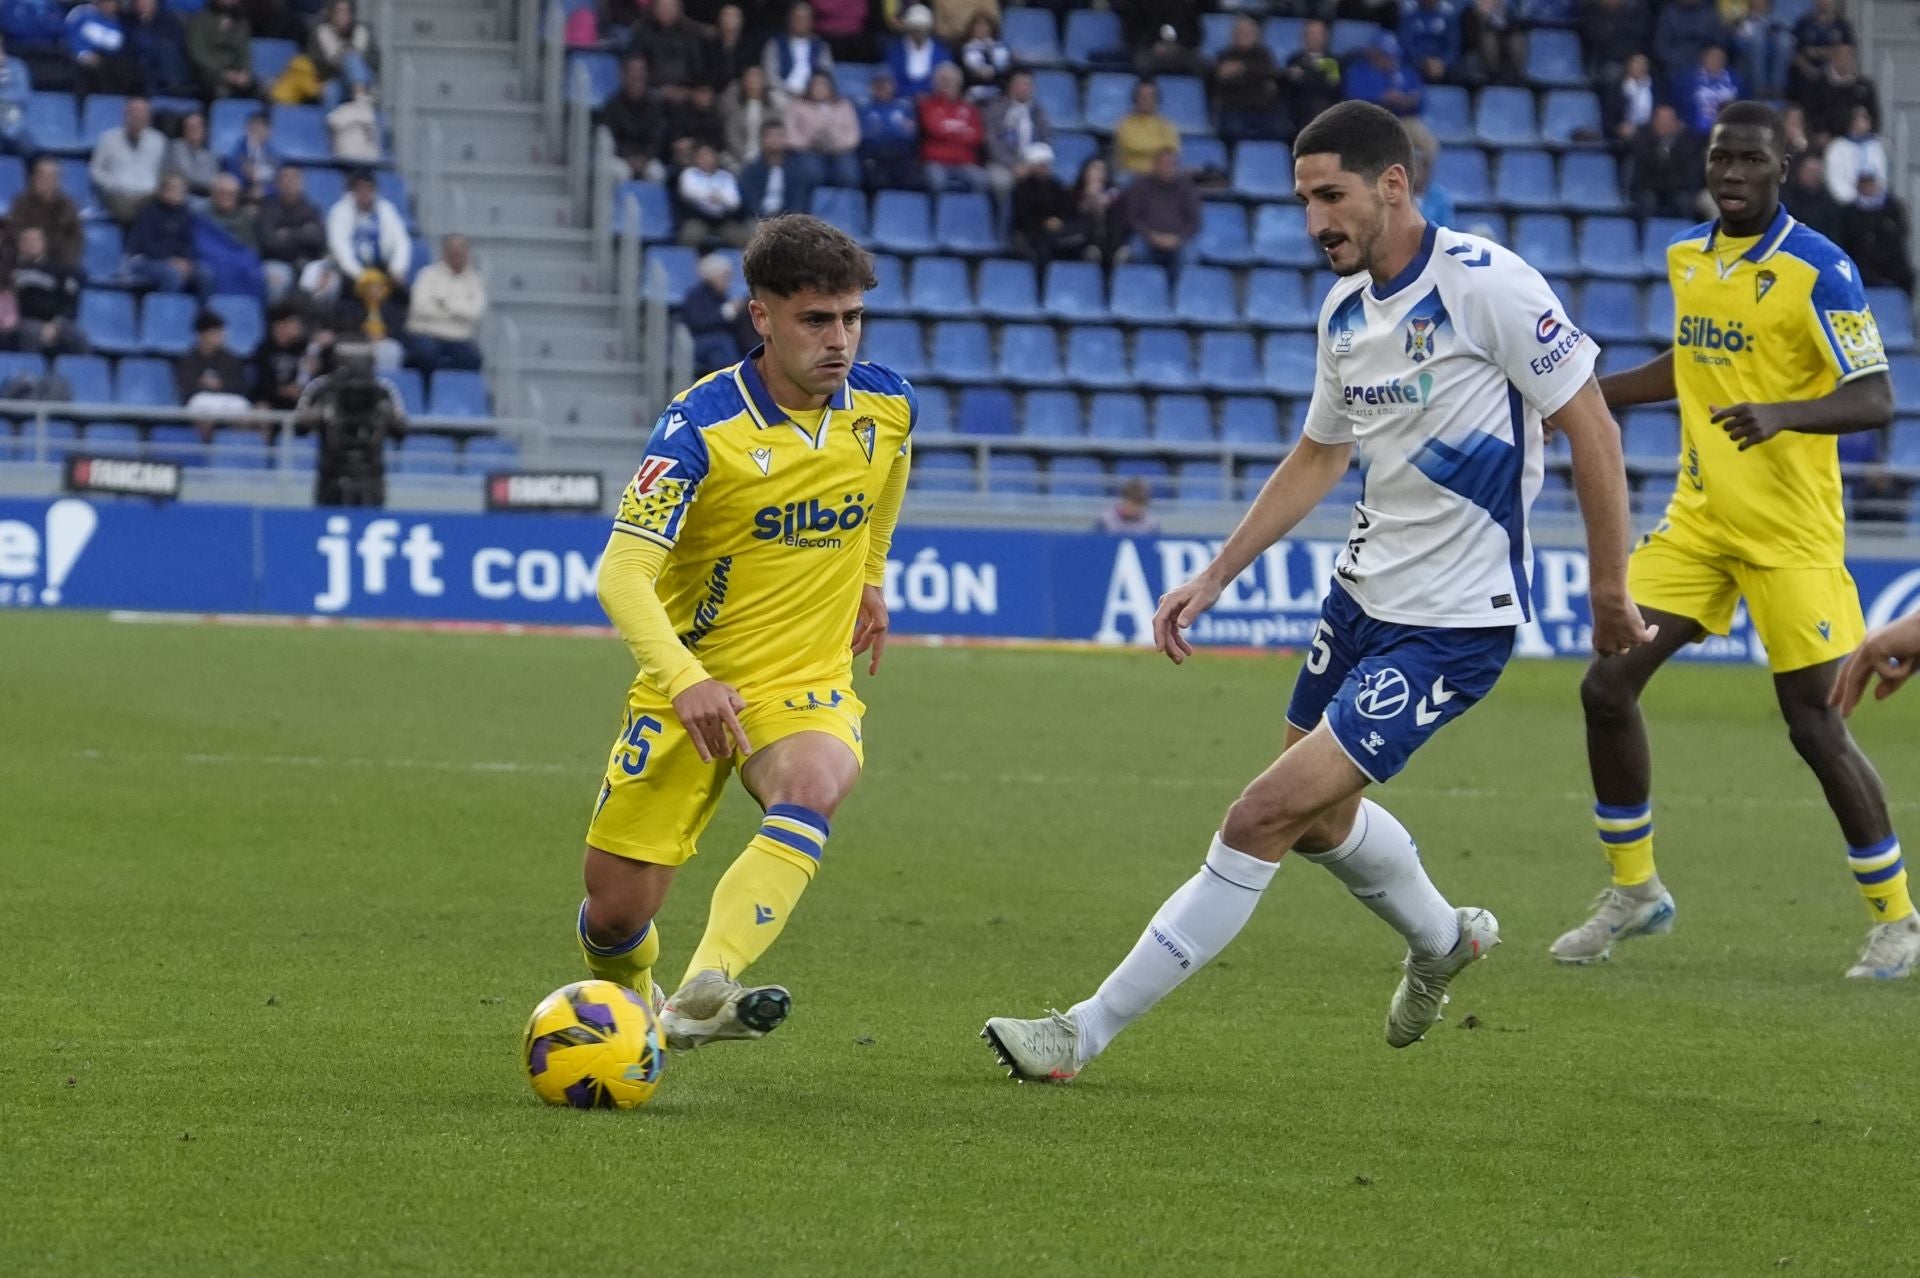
[
  {"x": 1263, "y": 825},
  {"x": 1605, "y": 694},
  {"x": 1818, "y": 734}
]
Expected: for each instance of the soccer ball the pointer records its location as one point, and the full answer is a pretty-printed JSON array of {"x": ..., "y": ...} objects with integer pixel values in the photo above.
[{"x": 594, "y": 1045}]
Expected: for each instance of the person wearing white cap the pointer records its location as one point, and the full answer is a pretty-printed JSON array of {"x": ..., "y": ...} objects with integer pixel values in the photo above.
[
  {"x": 1045, "y": 218},
  {"x": 913, "y": 57}
]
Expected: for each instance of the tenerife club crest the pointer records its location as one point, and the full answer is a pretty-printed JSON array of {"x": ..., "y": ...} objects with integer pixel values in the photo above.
[
  {"x": 1423, "y": 332},
  {"x": 863, "y": 430}
]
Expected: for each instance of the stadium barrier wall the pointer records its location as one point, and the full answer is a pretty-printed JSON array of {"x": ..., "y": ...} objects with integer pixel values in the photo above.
[{"x": 541, "y": 570}]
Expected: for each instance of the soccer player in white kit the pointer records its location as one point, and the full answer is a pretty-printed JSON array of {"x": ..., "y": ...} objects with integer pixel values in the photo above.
[{"x": 1440, "y": 356}]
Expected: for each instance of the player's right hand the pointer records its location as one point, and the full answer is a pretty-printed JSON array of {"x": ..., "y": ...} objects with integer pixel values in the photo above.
[
  {"x": 1618, "y": 625},
  {"x": 710, "y": 712},
  {"x": 1889, "y": 652},
  {"x": 1180, "y": 608}
]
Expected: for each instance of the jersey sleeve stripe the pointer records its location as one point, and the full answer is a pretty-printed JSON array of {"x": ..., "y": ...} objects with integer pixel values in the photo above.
[{"x": 643, "y": 534}]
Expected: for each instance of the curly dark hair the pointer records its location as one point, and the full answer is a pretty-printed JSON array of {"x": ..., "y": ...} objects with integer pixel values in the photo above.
[{"x": 796, "y": 253}]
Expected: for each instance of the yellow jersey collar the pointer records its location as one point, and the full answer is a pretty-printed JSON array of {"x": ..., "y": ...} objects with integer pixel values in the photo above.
[
  {"x": 1768, "y": 243},
  {"x": 760, "y": 402}
]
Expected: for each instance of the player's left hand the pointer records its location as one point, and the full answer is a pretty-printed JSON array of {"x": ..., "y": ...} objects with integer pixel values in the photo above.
[
  {"x": 870, "y": 629},
  {"x": 1617, "y": 623},
  {"x": 1889, "y": 652},
  {"x": 1750, "y": 424}
]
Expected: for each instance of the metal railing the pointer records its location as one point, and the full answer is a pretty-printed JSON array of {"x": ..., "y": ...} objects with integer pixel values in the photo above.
[
  {"x": 601, "y": 214},
  {"x": 580, "y": 136},
  {"x": 553, "y": 63},
  {"x": 526, "y": 41},
  {"x": 626, "y": 279}
]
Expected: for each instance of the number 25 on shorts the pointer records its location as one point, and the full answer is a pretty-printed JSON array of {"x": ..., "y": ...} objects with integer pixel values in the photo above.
[{"x": 635, "y": 746}]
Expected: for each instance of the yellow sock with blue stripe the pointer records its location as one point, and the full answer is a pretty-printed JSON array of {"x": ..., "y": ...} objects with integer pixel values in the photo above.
[
  {"x": 1882, "y": 876},
  {"x": 1626, "y": 832},
  {"x": 759, "y": 890},
  {"x": 629, "y": 962}
]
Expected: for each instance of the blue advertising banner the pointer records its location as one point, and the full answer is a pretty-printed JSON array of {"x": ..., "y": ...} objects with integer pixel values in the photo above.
[{"x": 541, "y": 570}]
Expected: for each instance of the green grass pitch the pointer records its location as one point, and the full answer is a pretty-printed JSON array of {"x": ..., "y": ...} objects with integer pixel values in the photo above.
[{"x": 274, "y": 904}]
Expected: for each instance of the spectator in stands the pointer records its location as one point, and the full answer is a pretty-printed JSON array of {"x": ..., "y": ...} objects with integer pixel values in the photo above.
[
  {"x": 286, "y": 361},
  {"x": 1015, "y": 122},
  {"x": 1312, "y": 77},
  {"x": 1430, "y": 38},
  {"x": 16, "y": 88},
  {"x": 1161, "y": 211},
  {"x": 45, "y": 207},
  {"x": 1169, "y": 55},
  {"x": 1831, "y": 97},
  {"x": 1142, "y": 26},
  {"x": 211, "y": 379},
  {"x": 1875, "y": 234},
  {"x": 729, "y": 52},
  {"x": 292, "y": 235},
  {"x": 191, "y": 157},
  {"x": 1379, "y": 76},
  {"x": 355, "y": 126},
  {"x": 843, "y": 25},
  {"x": 126, "y": 161},
  {"x": 1132, "y": 514},
  {"x": 1708, "y": 88},
  {"x": 712, "y": 316},
  {"x": 1494, "y": 44},
  {"x": 1143, "y": 132},
  {"x": 226, "y": 243},
  {"x": 637, "y": 118},
  {"x": 228, "y": 211},
  {"x": 889, "y": 137},
  {"x": 796, "y": 53},
  {"x": 1807, "y": 198},
  {"x": 1764, "y": 49},
  {"x": 748, "y": 107},
  {"x": 1681, "y": 34},
  {"x": 1246, "y": 87},
  {"x": 1793, "y": 131},
  {"x": 159, "y": 243},
  {"x": 695, "y": 120},
  {"x": 342, "y": 48},
  {"x": 365, "y": 235},
  {"x": 447, "y": 302},
  {"x": 1664, "y": 167},
  {"x": 220, "y": 50},
  {"x": 98, "y": 45},
  {"x": 158, "y": 43},
  {"x": 1097, "y": 201},
  {"x": 1815, "y": 36},
  {"x": 254, "y": 159},
  {"x": 675, "y": 48},
  {"x": 773, "y": 183},
  {"x": 1611, "y": 33},
  {"x": 46, "y": 292},
  {"x": 916, "y": 55},
  {"x": 1851, "y": 157},
  {"x": 1627, "y": 105},
  {"x": 710, "y": 206},
  {"x": 1435, "y": 201},
  {"x": 1044, "y": 218},
  {"x": 952, "y": 136},
  {"x": 824, "y": 131},
  {"x": 985, "y": 59}
]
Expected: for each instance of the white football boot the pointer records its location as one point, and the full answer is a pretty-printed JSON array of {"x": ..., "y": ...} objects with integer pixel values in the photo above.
[
  {"x": 712, "y": 1006},
  {"x": 1892, "y": 951},
  {"x": 1037, "y": 1051},
  {"x": 1419, "y": 1002},
  {"x": 1645, "y": 909}
]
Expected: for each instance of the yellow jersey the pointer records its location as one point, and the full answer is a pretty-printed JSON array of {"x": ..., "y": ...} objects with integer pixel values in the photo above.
[
  {"x": 1772, "y": 319},
  {"x": 766, "y": 515}
]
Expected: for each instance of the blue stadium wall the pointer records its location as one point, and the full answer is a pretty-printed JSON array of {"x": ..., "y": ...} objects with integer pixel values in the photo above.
[{"x": 540, "y": 570}]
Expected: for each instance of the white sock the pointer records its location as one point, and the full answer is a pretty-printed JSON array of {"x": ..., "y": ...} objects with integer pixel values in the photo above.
[
  {"x": 1379, "y": 864},
  {"x": 1194, "y": 925}
]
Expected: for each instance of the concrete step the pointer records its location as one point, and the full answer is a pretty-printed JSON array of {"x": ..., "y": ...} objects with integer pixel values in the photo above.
[
  {"x": 535, "y": 311},
  {"x": 486, "y": 206},
  {"x": 562, "y": 403},
  {"x": 502, "y": 134},
  {"x": 456, "y": 81},
  {"x": 452, "y": 20},
  {"x": 509, "y": 179},
  {"x": 552, "y": 283},
  {"x": 556, "y": 341}
]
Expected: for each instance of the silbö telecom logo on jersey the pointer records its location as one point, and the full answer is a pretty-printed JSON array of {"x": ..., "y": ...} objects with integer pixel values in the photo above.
[{"x": 1396, "y": 396}]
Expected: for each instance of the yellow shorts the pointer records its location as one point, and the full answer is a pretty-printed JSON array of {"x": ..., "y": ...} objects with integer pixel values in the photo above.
[
  {"x": 658, "y": 796},
  {"x": 1804, "y": 616}
]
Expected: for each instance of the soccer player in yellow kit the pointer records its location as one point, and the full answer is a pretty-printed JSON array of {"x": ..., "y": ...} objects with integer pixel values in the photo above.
[
  {"x": 1775, "y": 354},
  {"x": 745, "y": 571}
]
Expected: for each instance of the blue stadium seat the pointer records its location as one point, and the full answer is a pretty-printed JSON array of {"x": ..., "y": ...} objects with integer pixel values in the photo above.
[
  {"x": 1526, "y": 180},
  {"x": 1096, "y": 357},
  {"x": 1229, "y": 361},
  {"x": 1610, "y": 246},
  {"x": 108, "y": 321},
  {"x": 939, "y": 286},
  {"x": 456, "y": 393},
  {"x": 117, "y": 438},
  {"x": 13, "y": 178},
  {"x": 656, "y": 207},
  {"x": 1204, "y": 151},
  {"x": 1657, "y": 298},
  {"x": 1059, "y": 93},
  {"x": 412, "y": 387},
  {"x": 896, "y": 343},
  {"x": 1008, "y": 289},
  {"x": 1074, "y": 291},
  {"x": 1183, "y": 100},
  {"x": 853, "y": 79},
  {"x": 1463, "y": 171},
  {"x": 889, "y": 296},
  {"x": 1651, "y": 436},
  {"x": 1216, "y": 32},
  {"x": 987, "y": 410},
  {"x": 1504, "y": 117},
  {"x": 1610, "y": 311},
  {"x": 603, "y": 73},
  {"x": 57, "y": 441},
  {"x": 427, "y": 455},
  {"x": 1590, "y": 182},
  {"x": 1200, "y": 481},
  {"x": 301, "y": 134},
  {"x": 327, "y": 186},
  {"x": 1163, "y": 359},
  {"x": 1280, "y": 236},
  {"x": 166, "y": 323},
  {"x": 1263, "y": 170},
  {"x": 1117, "y": 416},
  {"x": 1905, "y": 371},
  {"x": 246, "y": 322},
  {"x": 20, "y": 364},
  {"x": 180, "y": 445},
  {"x": 1078, "y": 477},
  {"x": 102, "y": 252},
  {"x": 1109, "y": 96},
  {"x": 239, "y": 448},
  {"x": 227, "y": 124},
  {"x": 270, "y": 57},
  {"x": 1448, "y": 112},
  {"x": 1140, "y": 295},
  {"x": 1545, "y": 240},
  {"x": 76, "y": 182},
  {"x": 99, "y": 113},
  {"x": 1182, "y": 419},
  {"x": 1203, "y": 298},
  {"x": 844, "y": 208},
  {"x": 902, "y": 222},
  {"x": 1223, "y": 234},
  {"x": 1151, "y": 469},
  {"x": 1291, "y": 362},
  {"x": 680, "y": 265},
  {"x": 1016, "y": 473},
  {"x": 1893, "y": 312},
  {"x": 936, "y": 410},
  {"x": 1351, "y": 35},
  {"x": 1621, "y": 356},
  {"x": 88, "y": 375},
  {"x": 297, "y": 454},
  {"x": 1249, "y": 421},
  {"x": 941, "y": 470},
  {"x": 1549, "y": 13},
  {"x": 1553, "y": 59},
  {"x": 1569, "y": 114},
  {"x": 1277, "y": 298},
  {"x": 1903, "y": 449},
  {"x": 962, "y": 352},
  {"x": 144, "y": 383},
  {"x": 1655, "y": 236},
  {"x": 52, "y": 122},
  {"x": 483, "y": 453},
  {"x": 1071, "y": 151},
  {"x": 1090, "y": 32},
  {"x": 1053, "y": 414},
  {"x": 1487, "y": 224},
  {"x": 1030, "y": 355},
  {"x": 1860, "y": 447},
  {"x": 1282, "y": 35},
  {"x": 1031, "y": 35},
  {"x": 963, "y": 223}
]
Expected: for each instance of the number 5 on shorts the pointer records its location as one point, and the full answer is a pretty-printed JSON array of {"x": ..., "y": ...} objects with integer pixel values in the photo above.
[
  {"x": 1319, "y": 654},
  {"x": 635, "y": 747}
]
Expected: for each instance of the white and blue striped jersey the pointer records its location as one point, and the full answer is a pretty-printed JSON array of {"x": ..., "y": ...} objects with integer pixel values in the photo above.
[{"x": 1440, "y": 378}]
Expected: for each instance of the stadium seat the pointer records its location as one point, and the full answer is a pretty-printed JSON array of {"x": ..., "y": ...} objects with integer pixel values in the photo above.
[
  {"x": 1545, "y": 240},
  {"x": 239, "y": 448},
  {"x": 1216, "y": 32},
  {"x": 298, "y": 454},
  {"x": 1621, "y": 356},
  {"x": 603, "y": 73},
  {"x": 108, "y": 321},
  {"x": 1071, "y": 151},
  {"x": 1223, "y": 234},
  {"x": 1078, "y": 477},
  {"x": 118, "y": 438},
  {"x": 656, "y": 208},
  {"x": 1903, "y": 449},
  {"x": 1031, "y": 36},
  {"x": 963, "y": 223},
  {"x": 1197, "y": 480},
  {"x": 1448, "y": 113},
  {"x": 1013, "y": 473},
  {"x": 1151, "y": 469},
  {"x": 1905, "y": 372},
  {"x": 962, "y": 352},
  {"x": 1590, "y": 182},
  {"x": 1091, "y": 32},
  {"x": 76, "y": 182},
  {"x": 102, "y": 253},
  {"x": 936, "y": 411},
  {"x": 987, "y": 410},
  {"x": 1650, "y": 436},
  {"x": 1204, "y": 151},
  {"x": 1116, "y": 415},
  {"x": 1203, "y": 298},
  {"x": 1610, "y": 246},
  {"x": 1277, "y": 298},
  {"x": 1526, "y": 180},
  {"x": 51, "y": 443},
  {"x": 1053, "y": 414},
  {"x": 1282, "y": 36},
  {"x": 1553, "y": 60},
  {"x": 326, "y": 186},
  {"x": 88, "y": 376},
  {"x": 144, "y": 383},
  {"x": 1229, "y": 361},
  {"x": 1503, "y": 117},
  {"x": 1463, "y": 172},
  {"x": 1893, "y": 312},
  {"x": 1263, "y": 170},
  {"x": 422, "y": 454},
  {"x": 853, "y": 79},
  {"x": 246, "y": 323},
  {"x": 1657, "y": 299},
  {"x": 100, "y": 112},
  {"x": 1182, "y": 419},
  {"x": 939, "y": 286},
  {"x": 1280, "y": 237},
  {"x": 1570, "y": 116},
  {"x": 1350, "y": 35},
  {"x": 889, "y": 296},
  {"x": 301, "y": 133},
  {"x": 1291, "y": 363},
  {"x": 1860, "y": 447},
  {"x": 412, "y": 386},
  {"x": 1163, "y": 359},
  {"x": 21, "y": 364},
  {"x": 902, "y": 222},
  {"x": 456, "y": 393},
  {"x": 13, "y": 178},
  {"x": 1008, "y": 289},
  {"x": 897, "y": 343},
  {"x": 1183, "y": 100},
  {"x": 1030, "y": 355},
  {"x": 180, "y": 445},
  {"x": 166, "y": 323},
  {"x": 52, "y": 122},
  {"x": 1549, "y": 13},
  {"x": 1096, "y": 357},
  {"x": 676, "y": 264},
  {"x": 1140, "y": 295},
  {"x": 270, "y": 57},
  {"x": 1656, "y": 235},
  {"x": 1075, "y": 291},
  {"x": 1249, "y": 421},
  {"x": 483, "y": 453},
  {"x": 1109, "y": 96},
  {"x": 1610, "y": 311},
  {"x": 844, "y": 208},
  {"x": 1059, "y": 93},
  {"x": 942, "y": 470}
]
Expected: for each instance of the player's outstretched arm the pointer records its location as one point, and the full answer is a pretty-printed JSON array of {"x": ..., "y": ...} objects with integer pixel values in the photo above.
[
  {"x": 1600, "y": 482},
  {"x": 1889, "y": 652},
  {"x": 1299, "y": 483},
  {"x": 1650, "y": 383},
  {"x": 1865, "y": 403}
]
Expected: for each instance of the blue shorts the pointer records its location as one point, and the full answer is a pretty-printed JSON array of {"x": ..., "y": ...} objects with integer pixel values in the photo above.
[{"x": 1385, "y": 688}]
